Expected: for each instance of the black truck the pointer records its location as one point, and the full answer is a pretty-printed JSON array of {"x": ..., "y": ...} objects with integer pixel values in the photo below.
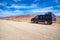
[{"x": 47, "y": 18}]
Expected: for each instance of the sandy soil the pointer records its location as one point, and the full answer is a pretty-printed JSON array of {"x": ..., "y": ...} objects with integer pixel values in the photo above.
[{"x": 11, "y": 30}]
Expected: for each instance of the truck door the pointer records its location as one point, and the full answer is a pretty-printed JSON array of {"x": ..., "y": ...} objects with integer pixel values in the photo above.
[{"x": 41, "y": 18}]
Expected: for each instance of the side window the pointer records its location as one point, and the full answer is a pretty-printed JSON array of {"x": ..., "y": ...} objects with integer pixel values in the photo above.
[
  {"x": 40, "y": 17},
  {"x": 53, "y": 16},
  {"x": 47, "y": 16},
  {"x": 43, "y": 17}
]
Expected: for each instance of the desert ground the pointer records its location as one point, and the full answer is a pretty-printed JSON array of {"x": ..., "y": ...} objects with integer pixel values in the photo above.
[{"x": 13, "y": 30}]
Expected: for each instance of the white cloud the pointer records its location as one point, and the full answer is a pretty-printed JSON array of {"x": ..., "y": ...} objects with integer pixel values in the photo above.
[
  {"x": 18, "y": 12},
  {"x": 57, "y": 14},
  {"x": 10, "y": 13},
  {"x": 47, "y": 9},
  {"x": 22, "y": 6},
  {"x": 0, "y": 10}
]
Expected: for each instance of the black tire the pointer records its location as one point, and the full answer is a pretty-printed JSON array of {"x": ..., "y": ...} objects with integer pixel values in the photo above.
[
  {"x": 36, "y": 22},
  {"x": 32, "y": 21},
  {"x": 50, "y": 23}
]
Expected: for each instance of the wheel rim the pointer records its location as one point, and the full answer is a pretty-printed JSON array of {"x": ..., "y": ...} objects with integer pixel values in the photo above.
[{"x": 46, "y": 22}]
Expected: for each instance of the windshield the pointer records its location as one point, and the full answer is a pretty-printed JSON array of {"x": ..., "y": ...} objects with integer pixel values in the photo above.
[
  {"x": 36, "y": 17},
  {"x": 53, "y": 16}
]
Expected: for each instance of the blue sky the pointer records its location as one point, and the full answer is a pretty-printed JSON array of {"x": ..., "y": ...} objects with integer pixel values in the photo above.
[{"x": 23, "y": 7}]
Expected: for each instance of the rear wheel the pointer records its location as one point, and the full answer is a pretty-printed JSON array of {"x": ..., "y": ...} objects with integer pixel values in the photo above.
[{"x": 46, "y": 22}]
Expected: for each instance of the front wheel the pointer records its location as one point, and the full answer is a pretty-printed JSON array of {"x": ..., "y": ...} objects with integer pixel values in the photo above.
[
  {"x": 32, "y": 21},
  {"x": 36, "y": 22}
]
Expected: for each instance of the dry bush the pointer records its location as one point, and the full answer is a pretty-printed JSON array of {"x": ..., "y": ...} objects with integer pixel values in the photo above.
[
  {"x": 22, "y": 19},
  {"x": 58, "y": 20}
]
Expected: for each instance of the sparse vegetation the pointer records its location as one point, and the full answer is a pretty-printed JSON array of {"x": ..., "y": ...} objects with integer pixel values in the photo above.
[
  {"x": 58, "y": 20},
  {"x": 27, "y": 19}
]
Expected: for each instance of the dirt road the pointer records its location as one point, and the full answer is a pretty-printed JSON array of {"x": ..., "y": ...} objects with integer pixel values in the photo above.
[{"x": 11, "y": 30}]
